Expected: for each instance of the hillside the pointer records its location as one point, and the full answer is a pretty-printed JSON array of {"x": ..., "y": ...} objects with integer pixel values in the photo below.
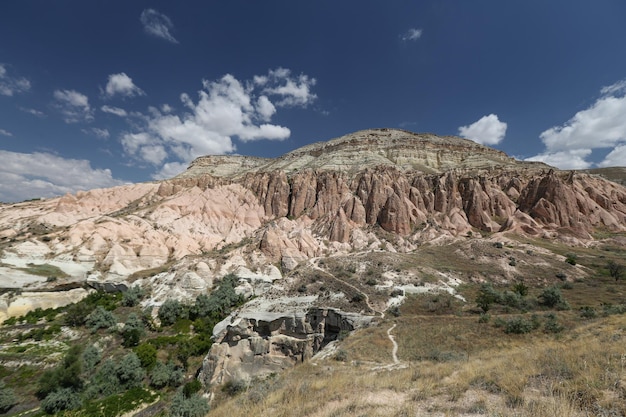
[{"x": 243, "y": 267}]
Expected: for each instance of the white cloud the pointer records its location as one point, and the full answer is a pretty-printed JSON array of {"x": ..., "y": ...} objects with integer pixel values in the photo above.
[
  {"x": 100, "y": 133},
  {"x": 114, "y": 110},
  {"x": 295, "y": 91},
  {"x": 568, "y": 159},
  {"x": 5, "y": 133},
  {"x": 157, "y": 24},
  {"x": 226, "y": 108},
  {"x": 488, "y": 130},
  {"x": 25, "y": 175},
  {"x": 615, "y": 158},
  {"x": 412, "y": 34},
  {"x": 121, "y": 84},
  {"x": 601, "y": 125},
  {"x": 32, "y": 111},
  {"x": 74, "y": 106},
  {"x": 12, "y": 85}
]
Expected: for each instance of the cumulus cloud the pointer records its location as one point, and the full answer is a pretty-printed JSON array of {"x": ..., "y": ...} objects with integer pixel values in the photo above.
[
  {"x": 10, "y": 85},
  {"x": 122, "y": 85},
  {"x": 114, "y": 110},
  {"x": 411, "y": 35},
  {"x": 615, "y": 158},
  {"x": 601, "y": 125},
  {"x": 157, "y": 24},
  {"x": 293, "y": 91},
  {"x": 32, "y": 175},
  {"x": 488, "y": 130},
  {"x": 5, "y": 133},
  {"x": 226, "y": 109},
  {"x": 569, "y": 159},
  {"x": 73, "y": 105}
]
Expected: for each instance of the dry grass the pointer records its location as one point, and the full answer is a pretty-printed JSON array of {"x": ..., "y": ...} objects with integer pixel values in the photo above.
[{"x": 583, "y": 373}]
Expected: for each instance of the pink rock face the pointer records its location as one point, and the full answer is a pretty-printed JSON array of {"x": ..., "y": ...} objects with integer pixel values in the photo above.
[{"x": 296, "y": 206}]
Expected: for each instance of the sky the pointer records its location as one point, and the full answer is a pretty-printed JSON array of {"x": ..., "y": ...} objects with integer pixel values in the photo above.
[{"x": 95, "y": 94}]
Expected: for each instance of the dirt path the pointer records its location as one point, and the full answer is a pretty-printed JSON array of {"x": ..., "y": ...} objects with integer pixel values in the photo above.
[
  {"x": 313, "y": 263},
  {"x": 394, "y": 350}
]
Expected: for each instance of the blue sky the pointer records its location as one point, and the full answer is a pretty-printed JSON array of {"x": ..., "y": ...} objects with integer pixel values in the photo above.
[{"x": 95, "y": 94}]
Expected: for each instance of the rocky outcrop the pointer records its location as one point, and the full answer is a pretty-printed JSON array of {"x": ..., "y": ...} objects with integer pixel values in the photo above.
[{"x": 257, "y": 344}]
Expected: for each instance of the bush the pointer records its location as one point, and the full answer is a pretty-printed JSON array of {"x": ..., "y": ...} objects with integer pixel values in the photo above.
[
  {"x": 132, "y": 296},
  {"x": 170, "y": 311},
  {"x": 552, "y": 325},
  {"x": 551, "y": 297},
  {"x": 194, "y": 406},
  {"x": 61, "y": 399},
  {"x": 521, "y": 289},
  {"x": 571, "y": 258},
  {"x": 588, "y": 312},
  {"x": 487, "y": 295},
  {"x": 104, "y": 381},
  {"x": 163, "y": 375},
  {"x": 65, "y": 375},
  {"x": 100, "y": 318},
  {"x": 147, "y": 355},
  {"x": 520, "y": 325},
  {"x": 133, "y": 331},
  {"x": 91, "y": 357},
  {"x": 76, "y": 314},
  {"x": 191, "y": 388},
  {"x": 129, "y": 372},
  {"x": 7, "y": 398}
]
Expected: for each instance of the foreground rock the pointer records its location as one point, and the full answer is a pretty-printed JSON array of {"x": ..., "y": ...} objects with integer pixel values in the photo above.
[{"x": 254, "y": 344}]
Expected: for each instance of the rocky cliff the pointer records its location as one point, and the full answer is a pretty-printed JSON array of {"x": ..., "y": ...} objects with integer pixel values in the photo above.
[{"x": 371, "y": 190}]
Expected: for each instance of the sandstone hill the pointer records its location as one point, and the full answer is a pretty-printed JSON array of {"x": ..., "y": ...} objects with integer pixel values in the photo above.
[{"x": 371, "y": 200}]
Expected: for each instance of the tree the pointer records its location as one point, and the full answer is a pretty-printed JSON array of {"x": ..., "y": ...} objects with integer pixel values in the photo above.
[
  {"x": 91, "y": 357},
  {"x": 194, "y": 406},
  {"x": 65, "y": 375},
  {"x": 487, "y": 295},
  {"x": 147, "y": 355},
  {"x": 615, "y": 270}
]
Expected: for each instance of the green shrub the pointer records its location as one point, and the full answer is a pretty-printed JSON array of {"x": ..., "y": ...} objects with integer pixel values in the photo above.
[
  {"x": 511, "y": 299},
  {"x": 588, "y": 312},
  {"x": 521, "y": 289},
  {"x": 520, "y": 325},
  {"x": 551, "y": 324},
  {"x": 129, "y": 372},
  {"x": 191, "y": 388},
  {"x": 61, "y": 399},
  {"x": 163, "y": 375},
  {"x": 132, "y": 331},
  {"x": 487, "y": 296},
  {"x": 484, "y": 318},
  {"x": 571, "y": 258},
  {"x": 551, "y": 297},
  {"x": 104, "y": 382},
  {"x": 76, "y": 314},
  {"x": 7, "y": 398},
  {"x": 132, "y": 296},
  {"x": 91, "y": 357},
  {"x": 65, "y": 375},
  {"x": 147, "y": 355},
  {"x": 194, "y": 406},
  {"x": 100, "y": 318},
  {"x": 170, "y": 311},
  {"x": 615, "y": 270}
]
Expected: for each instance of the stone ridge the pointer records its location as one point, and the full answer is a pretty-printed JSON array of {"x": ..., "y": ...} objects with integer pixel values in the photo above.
[{"x": 352, "y": 153}]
